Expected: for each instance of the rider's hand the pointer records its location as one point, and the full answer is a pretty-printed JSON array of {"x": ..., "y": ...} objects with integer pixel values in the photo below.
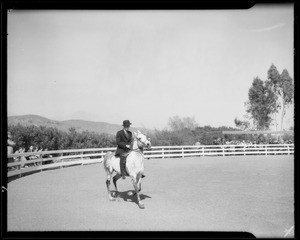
[{"x": 128, "y": 146}]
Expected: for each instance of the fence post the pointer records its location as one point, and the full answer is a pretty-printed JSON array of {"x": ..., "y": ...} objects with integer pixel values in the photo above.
[
  {"x": 244, "y": 150},
  {"x": 266, "y": 147},
  {"x": 223, "y": 150},
  {"x": 61, "y": 160},
  {"x": 202, "y": 151},
  {"x": 182, "y": 151},
  {"x": 163, "y": 154},
  {"x": 41, "y": 162},
  {"x": 20, "y": 168},
  {"x": 288, "y": 147},
  {"x": 81, "y": 157}
]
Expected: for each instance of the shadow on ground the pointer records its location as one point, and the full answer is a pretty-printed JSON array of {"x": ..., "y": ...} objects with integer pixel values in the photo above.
[{"x": 128, "y": 196}]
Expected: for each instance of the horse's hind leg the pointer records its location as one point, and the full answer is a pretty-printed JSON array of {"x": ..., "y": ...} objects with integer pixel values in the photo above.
[
  {"x": 115, "y": 179},
  {"x": 108, "y": 190},
  {"x": 139, "y": 185}
]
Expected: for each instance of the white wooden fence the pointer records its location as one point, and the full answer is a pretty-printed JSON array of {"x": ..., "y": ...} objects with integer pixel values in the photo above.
[{"x": 38, "y": 161}]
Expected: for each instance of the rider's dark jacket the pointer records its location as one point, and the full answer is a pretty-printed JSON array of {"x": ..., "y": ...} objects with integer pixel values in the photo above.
[{"x": 122, "y": 141}]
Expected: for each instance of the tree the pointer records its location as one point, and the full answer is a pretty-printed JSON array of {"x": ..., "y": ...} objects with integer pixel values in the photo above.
[
  {"x": 283, "y": 87},
  {"x": 244, "y": 125},
  {"x": 189, "y": 123},
  {"x": 261, "y": 103},
  {"x": 274, "y": 76},
  {"x": 287, "y": 92},
  {"x": 176, "y": 123},
  {"x": 54, "y": 139},
  {"x": 274, "y": 79}
]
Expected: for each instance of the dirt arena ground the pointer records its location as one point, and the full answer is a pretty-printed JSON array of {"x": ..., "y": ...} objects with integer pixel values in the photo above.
[{"x": 248, "y": 193}]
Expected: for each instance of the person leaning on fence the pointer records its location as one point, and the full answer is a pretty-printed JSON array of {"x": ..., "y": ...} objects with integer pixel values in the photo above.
[{"x": 123, "y": 139}]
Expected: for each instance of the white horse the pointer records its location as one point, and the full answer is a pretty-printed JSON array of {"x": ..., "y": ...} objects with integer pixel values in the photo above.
[{"x": 134, "y": 165}]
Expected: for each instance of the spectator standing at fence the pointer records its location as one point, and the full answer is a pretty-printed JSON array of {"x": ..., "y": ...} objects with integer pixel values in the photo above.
[
  {"x": 10, "y": 146},
  {"x": 32, "y": 157},
  {"x": 10, "y": 149},
  {"x": 17, "y": 159},
  {"x": 40, "y": 156},
  {"x": 22, "y": 158}
]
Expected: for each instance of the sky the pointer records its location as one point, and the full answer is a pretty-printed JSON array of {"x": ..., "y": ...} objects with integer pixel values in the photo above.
[{"x": 144, "y": 65}]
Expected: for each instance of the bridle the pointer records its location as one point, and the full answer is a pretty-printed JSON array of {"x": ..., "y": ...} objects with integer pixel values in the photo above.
[{"x": 139, "y": 149}]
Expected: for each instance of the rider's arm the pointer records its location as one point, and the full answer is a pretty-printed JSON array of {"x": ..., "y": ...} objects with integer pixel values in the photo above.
[
  {"x": 129, "y": 145},
  {"x": 120, "y": 143}
]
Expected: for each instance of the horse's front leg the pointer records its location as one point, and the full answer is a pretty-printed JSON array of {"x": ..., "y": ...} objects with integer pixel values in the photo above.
[
  {"x": 115, "y": 179},
  {"x": 139, "y": 184},
  {"x": 108, "y": 189},
  {"x": 137, "y": 190}
]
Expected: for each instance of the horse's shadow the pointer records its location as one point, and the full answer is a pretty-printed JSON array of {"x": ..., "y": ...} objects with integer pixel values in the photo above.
[{"x": 128, "y": 196}]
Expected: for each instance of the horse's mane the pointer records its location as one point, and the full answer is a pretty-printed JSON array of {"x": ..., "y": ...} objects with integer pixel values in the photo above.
[{"x": 134, "y": 139}]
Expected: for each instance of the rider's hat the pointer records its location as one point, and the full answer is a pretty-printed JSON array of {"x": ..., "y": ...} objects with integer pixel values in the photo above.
[{"x": 126, "y": 123}]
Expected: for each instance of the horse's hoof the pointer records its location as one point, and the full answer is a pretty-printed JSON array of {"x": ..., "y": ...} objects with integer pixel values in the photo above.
[
  {"x": 115, "y": 194},
  {"x": 141, "y": 206},
  {"x": 112, "y": 199}
]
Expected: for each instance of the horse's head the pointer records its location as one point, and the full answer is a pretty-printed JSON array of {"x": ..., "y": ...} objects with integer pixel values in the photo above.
[{"x": 143, "y": 141}]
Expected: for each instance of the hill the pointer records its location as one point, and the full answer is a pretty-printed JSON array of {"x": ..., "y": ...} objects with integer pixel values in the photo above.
[{"x": 79, "y": 125}]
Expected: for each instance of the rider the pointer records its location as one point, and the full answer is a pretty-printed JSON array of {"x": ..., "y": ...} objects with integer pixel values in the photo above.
[{"x": 123, "y": 139}]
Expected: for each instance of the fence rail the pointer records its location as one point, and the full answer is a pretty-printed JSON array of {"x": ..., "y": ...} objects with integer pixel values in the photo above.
[{"x": 38, "y": 161}]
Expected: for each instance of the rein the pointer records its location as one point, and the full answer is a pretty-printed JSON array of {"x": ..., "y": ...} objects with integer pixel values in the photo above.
[{"x": 138, "y": 149}]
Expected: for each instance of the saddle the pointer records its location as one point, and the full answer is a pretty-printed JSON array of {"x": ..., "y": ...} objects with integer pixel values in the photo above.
[{"x": 125, "y": 170}]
